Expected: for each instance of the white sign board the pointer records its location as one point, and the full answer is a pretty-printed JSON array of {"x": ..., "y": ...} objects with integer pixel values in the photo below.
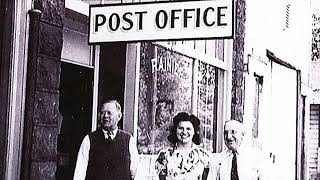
[{"x": 161, "y": 21}]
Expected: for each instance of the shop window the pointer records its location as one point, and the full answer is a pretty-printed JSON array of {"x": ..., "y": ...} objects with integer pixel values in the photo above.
[{"x": 170, "y": 82}]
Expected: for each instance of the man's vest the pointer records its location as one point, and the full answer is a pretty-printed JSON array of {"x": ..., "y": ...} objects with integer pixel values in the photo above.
[{"x": 109, "y": 159}]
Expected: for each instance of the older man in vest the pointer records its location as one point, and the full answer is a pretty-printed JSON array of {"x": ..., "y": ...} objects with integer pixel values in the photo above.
[{"x": 107, "y": 153}]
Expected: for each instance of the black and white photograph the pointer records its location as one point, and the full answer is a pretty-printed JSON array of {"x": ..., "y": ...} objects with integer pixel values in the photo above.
[{"x": 160, "y": 89}]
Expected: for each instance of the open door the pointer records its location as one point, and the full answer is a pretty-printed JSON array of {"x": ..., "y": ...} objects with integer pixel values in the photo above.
[
  {"x": 283, "y": 122},
  {"x": 76, "y": 93}
]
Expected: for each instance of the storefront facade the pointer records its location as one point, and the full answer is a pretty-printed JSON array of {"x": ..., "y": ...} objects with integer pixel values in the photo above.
[{"x": 55, "y": 84}]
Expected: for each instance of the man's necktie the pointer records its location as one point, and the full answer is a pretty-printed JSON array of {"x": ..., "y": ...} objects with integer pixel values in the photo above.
[
  {"x": 234, "y": 168},
  {"x": 109, "y": 134}
]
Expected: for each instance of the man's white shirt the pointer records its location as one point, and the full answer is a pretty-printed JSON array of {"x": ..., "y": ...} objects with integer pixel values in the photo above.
[
  {"x": 250, "y": 164},
  {"x": 83, "y": 156}
]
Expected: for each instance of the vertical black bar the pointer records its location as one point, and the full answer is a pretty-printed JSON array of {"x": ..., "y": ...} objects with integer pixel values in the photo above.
[
  {"x": 6, "y": 29},
  {"x": 303, "y": 140}
]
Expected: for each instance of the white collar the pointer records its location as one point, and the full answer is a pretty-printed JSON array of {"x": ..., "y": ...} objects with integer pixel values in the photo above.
[
  {"x": 238, "y": 151},
  {"x": 112, "y": 135}
]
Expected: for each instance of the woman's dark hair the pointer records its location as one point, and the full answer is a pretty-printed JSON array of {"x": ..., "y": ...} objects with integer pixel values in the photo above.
[{"x": 183, "y": 116}]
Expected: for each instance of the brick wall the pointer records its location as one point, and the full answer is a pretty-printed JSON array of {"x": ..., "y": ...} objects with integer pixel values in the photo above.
[{"x": 42, "y": 93}]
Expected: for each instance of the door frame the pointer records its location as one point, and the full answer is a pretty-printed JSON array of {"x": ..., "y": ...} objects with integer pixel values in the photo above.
[
  {"x": 300, "y": 120},
  {"x": 17, "y": 53}
]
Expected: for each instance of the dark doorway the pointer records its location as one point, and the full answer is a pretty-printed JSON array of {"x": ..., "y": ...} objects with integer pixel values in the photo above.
[
  {"x": 76, "y": 96},
  {"x": 112, "y": 73}
]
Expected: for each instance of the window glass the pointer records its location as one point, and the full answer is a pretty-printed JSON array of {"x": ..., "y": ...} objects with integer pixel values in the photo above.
[
  {"x": 168, "y": 83},
  {"x": 165, "y": 88},
  {"x": 207, "y": 103}
]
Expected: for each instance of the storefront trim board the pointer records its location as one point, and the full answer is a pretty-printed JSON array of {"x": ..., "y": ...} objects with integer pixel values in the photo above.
[
  {"x": 17, "y": 87},
  {"x": 131, "y": 88},
  {"x": 227, "y": 94},
  {"x": 96, "y": 53},
  {"x": 76, "y": 63}
]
